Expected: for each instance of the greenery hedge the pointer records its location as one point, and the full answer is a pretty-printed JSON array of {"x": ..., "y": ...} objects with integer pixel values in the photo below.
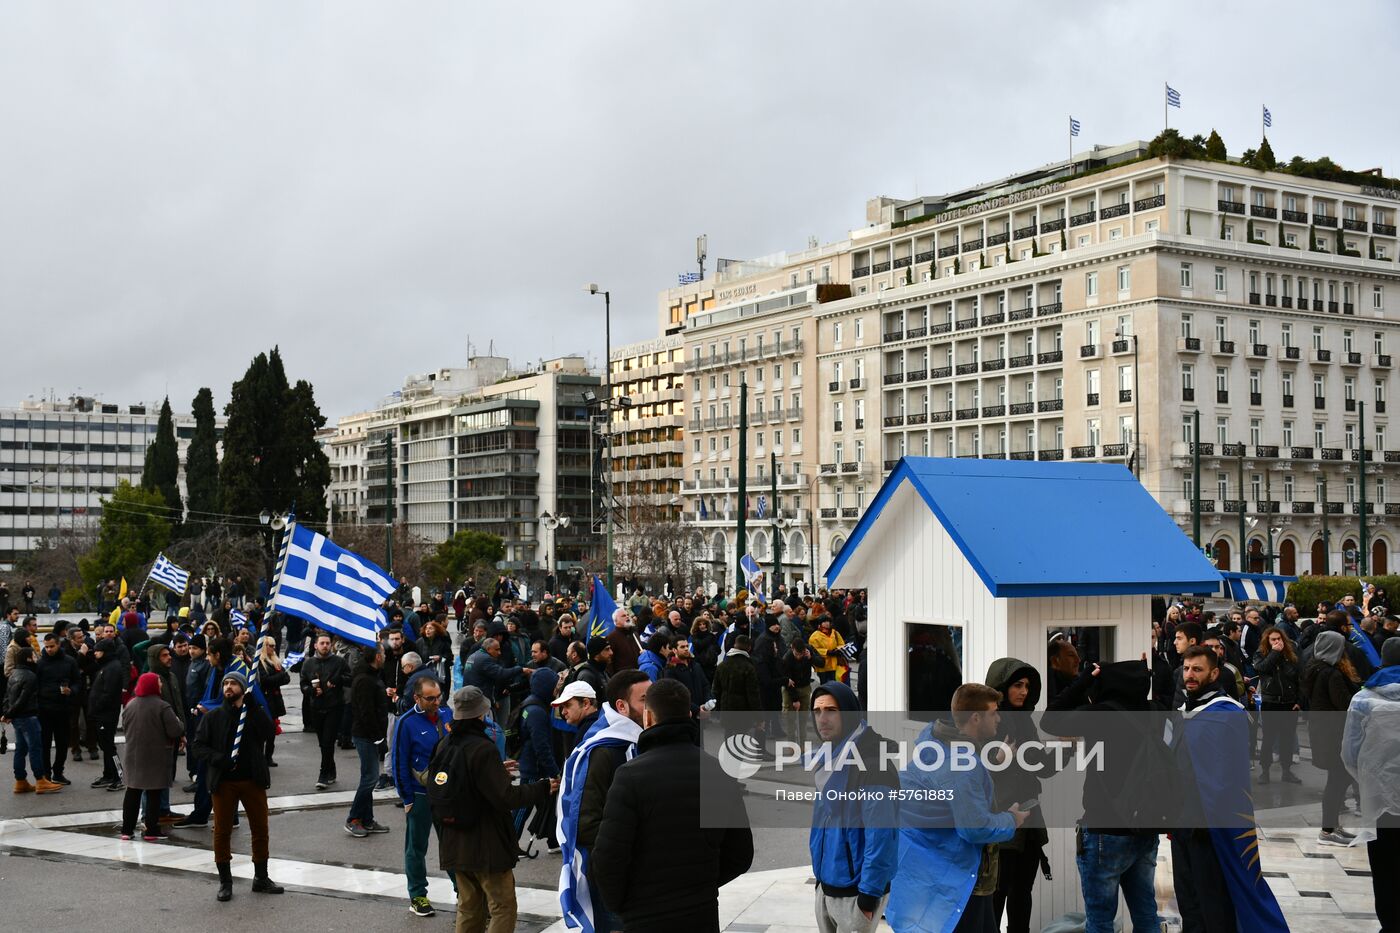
[{"x": 1309, "y": 590}]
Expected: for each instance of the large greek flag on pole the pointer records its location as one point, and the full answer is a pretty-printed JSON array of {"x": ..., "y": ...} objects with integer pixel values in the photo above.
[
  {"x": 170, "y": 576},
  {"x": 329, "y": 586}
]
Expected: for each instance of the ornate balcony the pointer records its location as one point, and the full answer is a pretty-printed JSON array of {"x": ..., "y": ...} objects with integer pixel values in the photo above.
[
  {"x": 993, "y": 411},
  {"x": 972, "y": 246},
  {"x": 1022, "y": 314},
  {"x": 1358, "y": 225},
  {"x": 990, "y": 366},
  {"x": 967, "y": 414},
  {"x": 1086, "y": 452},
  {"x": 1300, "y": 453},
  {"x": 1303, "y": 508},
  {"x": 1087, "y": 217},
  {"x": 1259, "y": 210},
  {"x": 1022, "y": 233},
  {"x": 1022, "y": 408},
  {"x": 1050, "y": 356},
  {"x": 1017, "y": 361},
  {"x": 1052, "y": 226},
  {"x": 1230, "y": 207},
  {"x": 1147, "y": 204},
  {"x": 945, "y": 251},
  {"x": 1053, "y": 453},
  {"x": 965, "y": 369},
  {"x": 1051, "y": 307},
  {"x": 1114, "y": 210},
  {"x": 1295, "y": 217},
  {"x": 1050, "y": 404}
]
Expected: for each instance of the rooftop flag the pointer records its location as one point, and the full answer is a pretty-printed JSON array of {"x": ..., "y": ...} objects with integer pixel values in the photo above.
[
  {"x": 1173, "y": 97},
  {"x": 1073, "y": 126},
  {"x": 1268, "y": 117}
]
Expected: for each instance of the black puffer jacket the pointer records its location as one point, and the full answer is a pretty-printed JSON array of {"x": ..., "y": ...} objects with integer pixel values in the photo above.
[
  {"x": 1278, "y": 678},
  {"x": 56, "y": 672},
  {"x": 22, "y": 692},
  {"x": 662, "y": 787},
  {"x": 105, "y": 697},
  {"x": 369, "y": 704}
]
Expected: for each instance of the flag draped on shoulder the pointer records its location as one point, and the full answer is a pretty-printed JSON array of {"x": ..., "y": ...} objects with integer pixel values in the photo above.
[
  {"x": 601, "y": 607},
  {"x": 611, "y": 730},
  {"x": 330, "y": 587},
  {"x": 170, "y": 576}
]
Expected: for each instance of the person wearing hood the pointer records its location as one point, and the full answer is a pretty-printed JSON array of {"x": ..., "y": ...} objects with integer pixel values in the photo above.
[
  {"x": 1371, "y": 752},
  {"x": 1021, "y": 857},
  {"x": 158, "y": 661},
  {"x": 238, "y": 775},
  {"x": 667, "y": 777},
  {"x": 949, "y": 831},
  {"x": 1112, "y": 852},
  {"x": 652, "y": 661},
  {"x": 854, "y": 838},
  {"x": 1329, "y": 683},
  {"x": 735, "y": 688},
  {"x": 153, "y": 731},
  {"x": 369, "y": 712},
  {"x": 536, "y": 755},
  {"x": 105, "y": 706},
  {"x": 705, "y": 646}
]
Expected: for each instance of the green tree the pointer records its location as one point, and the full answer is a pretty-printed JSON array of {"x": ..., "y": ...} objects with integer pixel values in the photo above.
[
  {"x": 1264, "y": 158},
  {"x": 134, "y": 529},
  {"x": 1215, "y": 147},
  {"x": 271, "y": 457},
  {"x": 463, "y": 554},
  {"x": 202, "y": 460},
  {"x": 1169, "y": 144},
  {"x": 161, "y": 472}
]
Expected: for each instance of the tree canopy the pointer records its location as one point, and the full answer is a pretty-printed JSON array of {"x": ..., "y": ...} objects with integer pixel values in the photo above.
[
  {"x": 134, "y": 529},
  {"x": 202, "y": 460},
  {"x": 161, "y": 473},
  {"x": 465, "y": 553}
]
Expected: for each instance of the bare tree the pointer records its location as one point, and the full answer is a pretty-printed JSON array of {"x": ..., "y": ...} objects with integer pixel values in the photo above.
[
  {"x": 409, "y": 550},
  {"x": 54, "y": 560},
  {"x": 654, "y": 548}
]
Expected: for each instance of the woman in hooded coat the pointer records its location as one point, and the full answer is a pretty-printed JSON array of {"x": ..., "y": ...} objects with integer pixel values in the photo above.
[
  {"x": 1019, "y": 684},
  {"x": 148, "y": 758},
  {"x": 1329, "y": 682}
]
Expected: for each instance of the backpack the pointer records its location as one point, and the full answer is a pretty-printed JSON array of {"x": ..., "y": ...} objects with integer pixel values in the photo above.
[
  {"x": 1155, "y": 805},
  {"x": 515, "y": 736},
  {"x": 451, "y": 796}
]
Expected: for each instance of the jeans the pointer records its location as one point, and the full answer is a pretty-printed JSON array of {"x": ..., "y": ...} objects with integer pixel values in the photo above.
[
  {"x": 28, "y": 746},
  {"x": 1107, "y": 863},
  {"x": 53, "y": 725},
  {"x": 418, "y": 825},
  {"x": 362, "y": 808},
  {"x": 203, "y": 802}
]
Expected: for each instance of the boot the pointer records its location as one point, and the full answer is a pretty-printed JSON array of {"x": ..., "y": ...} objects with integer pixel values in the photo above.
[
  {"x": 262, "y": 884},
  {"x": 45, "y": 786},
  {"x": 1264, "y": 775},
  {"x": 225, "y": 880},
  {"x": 23, "y": 787}
]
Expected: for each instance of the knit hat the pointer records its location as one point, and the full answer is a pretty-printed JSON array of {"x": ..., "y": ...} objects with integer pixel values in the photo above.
[
  {"x": 148, "y": 685},
  {"x": 105, "y": 645},
  {"x": 469, "y": 703},
  {"x": 1390, "y": 652},
  {"x": 199, "y": 641},
  {"x": 597, "y": 645},
  {"x": 235, "y": 676}
]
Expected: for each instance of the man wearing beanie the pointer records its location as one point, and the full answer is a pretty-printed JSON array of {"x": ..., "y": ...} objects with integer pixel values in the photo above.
[
  {"x": 237, "y": 773},
  {"x": 479, "y": 847},
  {"x": 1371, "y": 751}
]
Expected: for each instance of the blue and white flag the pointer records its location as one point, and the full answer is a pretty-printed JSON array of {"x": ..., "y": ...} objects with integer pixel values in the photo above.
[
  {"x": 1268, "y": 117},
  {"x": 762, "y": 506},
  {"x": 611, "y": 730},
  {"x": 1173, "y": 97},
  {"x": 1073, "y": 126},
  {"x": 330, "y": 587},
  {"x": 753, "y": 576},
  {"x": 688, "y": 278},
  {"x": 704, "y": 513},
  {"x": 599, "y": 621},
  {"x": 237, "y": 619},
  {"x": 169, "y": 575}
]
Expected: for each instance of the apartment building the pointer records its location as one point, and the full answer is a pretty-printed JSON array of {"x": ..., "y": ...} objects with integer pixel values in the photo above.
[
  {"x": 646, "y": 443},
  {"x": 58, "y": 458}
]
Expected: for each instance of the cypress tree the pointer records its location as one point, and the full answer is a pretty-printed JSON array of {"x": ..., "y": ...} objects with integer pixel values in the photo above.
[
  {"x": 310, "y": 470},
  {"x": 1264, "y": 159},
  {"x": 161, "y": 473},
  {"x": 1215, "y": 147},
  {"x": 202, "y": 458}
]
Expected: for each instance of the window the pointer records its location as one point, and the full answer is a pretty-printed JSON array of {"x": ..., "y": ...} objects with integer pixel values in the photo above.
[
  {"x": 1186, "y": 322},
  {"x": 1286, "y": 332},
  {"x": 1350, "y": 433},
  {"x": 796, "y": 437},
  {"x": 1116, "y": 233},
  {"x": 1377, "y": 297},
  {"x": 1288, "y": 434},
  {"x": 1094, "y": 432},
  {"x": 1317, "y": 338},
  {"x": 1288, "y": 384},
  {"x": 836, "y": 334},
  {"x": 1222, "y": 430},
  {"x": 839, "y": 450},
  {"x": 1222, "y": 379},
  {"x": 1254, "y": 332},
  {"x": 1319, "y": 387},
  {"x": 1125, "y": 429},
  {"x": 1152, "y": 226},
  {"x": 836, "y": 371},
  {"x": 1254, "y": 382},
  {"x": 1188, "y": 376},
  {"x": 1349, "y": 388},
  {"x": 1091, "y": 284},
  {"x": 1220, "y": 279},
  {"x": 1125, "y": 325},
  {"x": 1319, "y": 435},
  {"x": 1222, "y": 486},
  {"x": 1347, "y": 341},
  {"x": 1125, "y": 278},
  {"x": 758, "y": 440},
  {"x": 859, "y": 326},
  {"x": 1288, "y": 487},
  {"x": 1256, "y": 430},
  {"x": 1091, "y": 382},
  {"x": 1290, "y": 203},
  {"x": 1222, "y": 331},
  {"x": 1229, "y": 231},
  {"x": 1380, "y": 391},
  {"x": 1091, "y": 331},
  {"x": 1125, "y": 378},
  {"x": 1291, "y": 239},
  {"x": 1083, "y": 241},
  {"x": 1186, "y": 275}
]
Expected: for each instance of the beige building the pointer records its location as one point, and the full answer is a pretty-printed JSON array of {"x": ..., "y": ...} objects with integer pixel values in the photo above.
[{"x": 1049, "y": 315}]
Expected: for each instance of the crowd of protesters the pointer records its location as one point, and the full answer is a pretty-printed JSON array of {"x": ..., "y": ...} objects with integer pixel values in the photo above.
[{"x": 498, "y": 720}]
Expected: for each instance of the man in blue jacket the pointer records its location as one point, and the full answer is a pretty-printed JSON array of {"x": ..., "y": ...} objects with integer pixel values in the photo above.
[
  {"x": 652, "y": 661},
  {"x": 854, "y": 839},
  {"x": 416, "y": 734},
  {"x": 947, "y": 873}
]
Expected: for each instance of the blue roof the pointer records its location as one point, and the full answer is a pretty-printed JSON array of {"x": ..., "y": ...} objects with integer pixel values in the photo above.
[{"x": 1048, "y": 529}]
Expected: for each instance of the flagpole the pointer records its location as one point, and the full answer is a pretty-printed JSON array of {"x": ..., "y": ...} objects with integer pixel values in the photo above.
[{"x": 1165, "y": 127}]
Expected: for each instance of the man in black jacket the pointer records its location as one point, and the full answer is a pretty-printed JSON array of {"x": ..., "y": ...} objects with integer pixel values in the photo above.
[
  {"x": 58, "y": 679},
  {"x": 683, "y": 668},
  {"x": 105, "y": 707},
  {"x": 238, "y": 774},
  {"x": 662, "y": 786},
  {"x": 79, "y": 648},
  {"x": 369, "y": 712},
  {"x": 324, "y": 677},
  {"x": 481, "y": 852}
]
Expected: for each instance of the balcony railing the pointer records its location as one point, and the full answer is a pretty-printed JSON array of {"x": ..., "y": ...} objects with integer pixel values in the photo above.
[
  {"x": 966, "y": 414},
  {"x": 1358, "y": 225},
  {"x": 1051, "y": 404},
  {"x": 1205, "y": 450},
  {"x": 1370, "y": 508},
  {"x": 1254, "y": 298},
  {"x": 894, "y": 336},
  {"x": 1383, "y": 229},
  {"x": 1147, "y": 204},
  {"x": 1050, "y": 356},
  {"x": 1084, "y": 452},
  {"x": 964, "y": 369},
  {"x": 1322, "y": 356},
  {"x": 1114, "y": 210},
  {"x": 1225, "y": 347},
  {"x": 966, "y": 323},
  {"x": 1259, "y": 349},
  {"x": 919, "y": 418},
  {"x": 903, "y": 262},
  {"x": 834, "y": 386},
  {"x": 1348, "y": 307},
  {"x": 1303, "y": 508},
  {"x": 1349, "y": 404},
  {"x": 1256, "y": 398},
  {"x": 1022, "y": 408},
  {"x": 1088, "y": 350},
  {"x": 1052, "y": 307},
  {"x": 1120, "y": 346},
  {"x": 1230, "y": 207},
  {"x": 880, "y": 267},
  {"x": 996, "y": 317},
  {"x": 1091, "y": 398},
  {"x": 1021, "y": 314},
  {"x": 939, "y": 417},
  {"x": 1334, "y": 508},
  {"x": 1370, "y": 455},
  {"x": 945, "y": 251},
  {"x": 1087, "y": 217},
  {"x": 1021, "y": 361},
  {"x": 1295, "y": 217},
  {"x": 1022, "y": 233},
  {"x": 851, "y": 466},
  {"x": 1330, "y": 453},
  {"x": 1333, "y": 307},
  {"x": 1234, "y": 506},
  {"x": 827, "y": 468},
  {"x": 989, "y": 366},
  {"x": 940, "y": 372},
  {"x": 1324, "y": 220},
  {"x": 914, "y": 333},
  {"x": 997, "y": 239},
  {"x": 1188, "y": 394},
  {"x": 1051, "y": 226},
  {"x": 893, "y": 378},
  {"x": 993, "y": 411},
  {"x": 916, "y": 375},
  {"x": 1222, "y": 396},
  {"x": 857, "y": 383},
  {"x": 1023, "y": 455},
  {"x": 1259, "y": 210},
  {"x": 828, "y": 513},
  {"x": 1053, "y": 453},
  {"x": 1115, "y": 450},
  {"x": 860, "y": 272},
  {"x": 1232, "y": 450},
  {"x": 943, "y": 328},
  {"x": 1125, "y": 395},
  {"x": 926, "y": 256},
  {"x": 1392, "y": 456},
  {"x": 1192, "y": 344},
  {"x": 1300, "y": 453},
  {"x": 1266, "y": 452},
  {"x": 850, "y": 512},
  {"x": 1286, "y": 301},
  {"x": 891, "y": 464},
  {"x": 972, "y": 246},
  {"x": 894, "y": 421}
]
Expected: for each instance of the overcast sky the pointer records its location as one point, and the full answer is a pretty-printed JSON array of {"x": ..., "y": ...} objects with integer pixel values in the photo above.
[{"x": 371, "y": 184}]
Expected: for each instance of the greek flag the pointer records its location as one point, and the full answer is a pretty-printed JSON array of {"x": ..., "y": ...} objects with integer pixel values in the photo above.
[
  {"x": 170, "y": 576},
  {"x": 330, "y": 587},
  {"x": 689, "y": 278},
  {"x": 762, "y": 506},
  {"x": 237, "y": 619},
  {"x": 1268, "y": 117},
  {"x": 1173, "y": 97},
  {"x": 1073, "y": 126}
]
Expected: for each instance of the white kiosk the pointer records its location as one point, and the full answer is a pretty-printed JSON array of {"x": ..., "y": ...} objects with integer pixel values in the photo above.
[{"x": 966, "y": 561}]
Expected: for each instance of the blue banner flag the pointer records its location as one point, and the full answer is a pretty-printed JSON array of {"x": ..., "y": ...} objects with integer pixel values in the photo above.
[
  {"x": 601, "y": 607},
  {"x": 330, "y": 587}
]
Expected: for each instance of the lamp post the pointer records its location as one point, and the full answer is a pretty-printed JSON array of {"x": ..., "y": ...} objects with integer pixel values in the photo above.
[
  {"x": 607, "y": 392},
  {"x": 271, "y": 523},
  {"x": 552, "y": 523}
]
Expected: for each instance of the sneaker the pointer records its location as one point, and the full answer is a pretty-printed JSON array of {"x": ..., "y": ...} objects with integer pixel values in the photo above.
[
  {"x": 190, "y": 822},
  {"x": 1339, "y": 831},
  {"x": 322, "y": 783},
  {"x": 126, "y": 837},
  {"x": 77, "y": 756},
  {"x": 116, "y": 785},
  {"x": 1290, "y": 778},
  {"x": 373, "y": 827},
  {"x": 23, "y": 787},
  {"x": 102, "y": 782},
  {"x": 356, "y": 829},
  {"x": 421, "y": 907},
  {"x": 60, "y": 779},
  {"x": 1264, "y": 776},
  {"x": 1333, "y": 838},
  {"x": 189, "y": 788},
  {"x": 154, "y": 837}
]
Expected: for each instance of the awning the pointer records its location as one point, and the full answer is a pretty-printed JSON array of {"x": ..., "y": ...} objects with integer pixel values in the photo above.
[{"x": 1265, "y": 587}]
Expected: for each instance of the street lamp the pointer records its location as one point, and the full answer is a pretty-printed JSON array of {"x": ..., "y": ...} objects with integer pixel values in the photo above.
[
  {"x": 271, "y": 524},
  {"x": 607, "y": 392},
  {"x": 1137, "y": 399},
  {"x": 780, "y": 525},
  {"x": 552, "y": 523}
]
